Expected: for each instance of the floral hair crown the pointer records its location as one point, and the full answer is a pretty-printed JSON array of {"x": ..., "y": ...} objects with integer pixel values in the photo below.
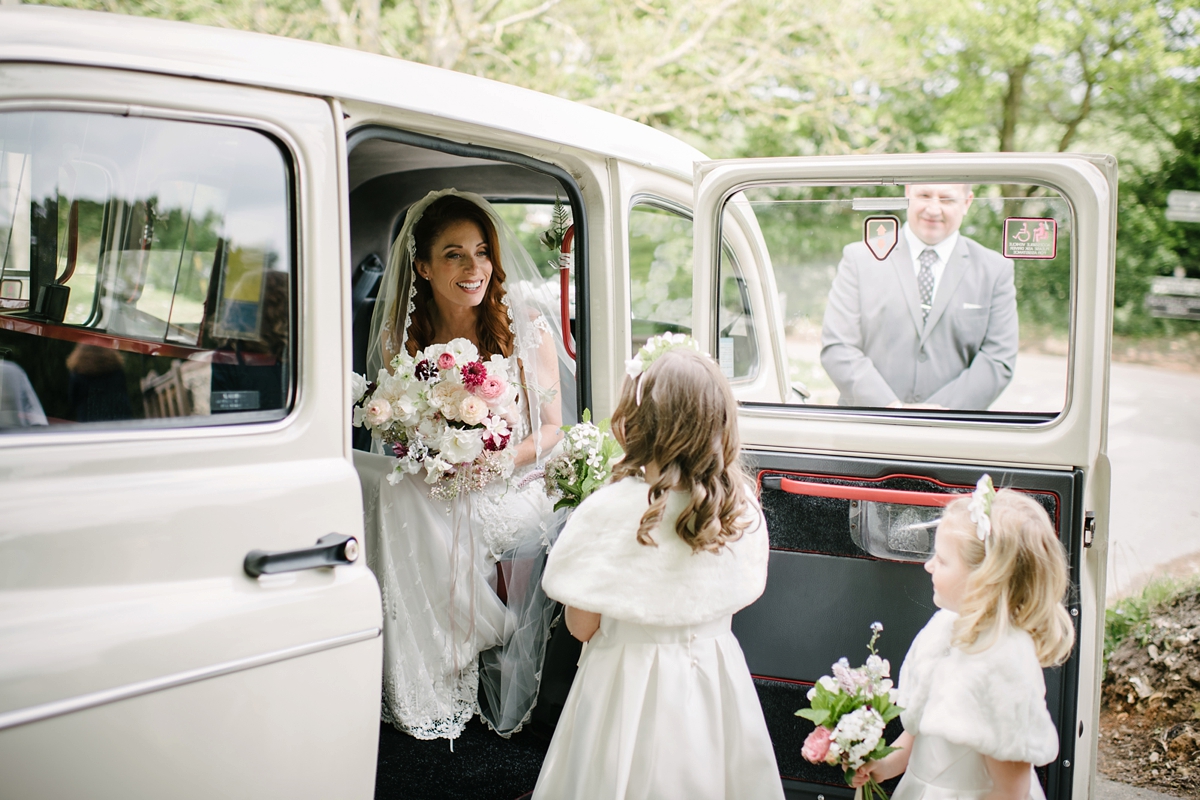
[
  {"x": 981, "y": 506},
  {"x": 652, "y": 350}
]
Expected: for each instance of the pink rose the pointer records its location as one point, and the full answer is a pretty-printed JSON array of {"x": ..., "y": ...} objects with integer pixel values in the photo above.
[
  {"x": 446, "y": 361},
  {"x": 816, "y": 746},
  {"x": 492, "y": 388}
]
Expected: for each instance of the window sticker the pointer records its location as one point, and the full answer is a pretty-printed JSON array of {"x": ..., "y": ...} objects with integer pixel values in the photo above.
[
  {"x": 240, "y": 306},
  {"x": 1030, "y": 237},
  {"x": 881, "y": 235}
]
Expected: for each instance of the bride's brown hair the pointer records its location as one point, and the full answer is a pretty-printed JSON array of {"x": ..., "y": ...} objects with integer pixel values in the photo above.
[
  {"x": 686, "y": 423},
  {"x": 492, "y": 327}
]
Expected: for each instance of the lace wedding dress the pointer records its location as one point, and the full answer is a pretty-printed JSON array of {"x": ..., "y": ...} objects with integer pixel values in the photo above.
[{"x": 460, "y": 579}]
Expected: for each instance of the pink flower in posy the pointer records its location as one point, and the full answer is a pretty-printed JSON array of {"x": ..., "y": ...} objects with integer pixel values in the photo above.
[
  {"x": 474, "y": 374},
  {"x": 491, "y": 388},
  {"x": 816, "y": 746},
  {"x": 446, "y": 361}
]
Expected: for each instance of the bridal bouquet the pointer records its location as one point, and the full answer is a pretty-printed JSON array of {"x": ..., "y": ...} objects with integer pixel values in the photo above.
[
  {"x": 850, "y": 710},
  {"x": 444, "y": 411},
  {"x": 584, "y": 463}
]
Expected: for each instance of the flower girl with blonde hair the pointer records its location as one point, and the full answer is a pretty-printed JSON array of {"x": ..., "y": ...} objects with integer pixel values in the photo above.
[
  {"x": 651, "y": 569},
  {"x": 975, "y": 717}
]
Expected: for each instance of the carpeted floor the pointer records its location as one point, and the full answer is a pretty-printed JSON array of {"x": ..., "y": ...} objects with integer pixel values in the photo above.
[{"x": 482, "y": 767}]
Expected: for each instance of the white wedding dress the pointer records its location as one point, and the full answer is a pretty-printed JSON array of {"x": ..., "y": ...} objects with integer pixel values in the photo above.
[
  {"x": 465, "y": 620},
  {"x": 441, "y": 596}
]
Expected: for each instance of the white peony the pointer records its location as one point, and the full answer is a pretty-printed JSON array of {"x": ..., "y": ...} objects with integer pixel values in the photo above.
[{"x": 462, "y": 350}]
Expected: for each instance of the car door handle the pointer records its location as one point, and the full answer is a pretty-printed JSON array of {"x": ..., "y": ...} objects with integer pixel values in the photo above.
[{"x": 330, "y": 550}]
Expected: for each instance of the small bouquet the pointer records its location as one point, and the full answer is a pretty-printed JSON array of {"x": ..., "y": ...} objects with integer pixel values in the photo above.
[
  {"x": 583, "y": 465},
  {"x": 443, "y": 410},
  {"x": 850, "y": 711}
]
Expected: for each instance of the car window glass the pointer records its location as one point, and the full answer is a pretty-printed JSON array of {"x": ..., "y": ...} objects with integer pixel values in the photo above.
[
  {"x": 145, "y": 268},
  {"x": 985, "y": 329},
  {"x": 660, "y": 289}
]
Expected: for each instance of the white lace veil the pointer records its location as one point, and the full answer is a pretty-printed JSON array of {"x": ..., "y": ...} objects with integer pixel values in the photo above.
[
  {"x": 510, "y": 674},
  {"x": 533, "y": 307}
]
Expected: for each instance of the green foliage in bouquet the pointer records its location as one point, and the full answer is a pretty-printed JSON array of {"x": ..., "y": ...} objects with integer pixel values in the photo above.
[{"x": 584, "y": 464}]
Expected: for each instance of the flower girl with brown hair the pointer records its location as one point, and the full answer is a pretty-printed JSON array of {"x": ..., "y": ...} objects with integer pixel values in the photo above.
[
  {"x": 652, "y": 568},
  {"x": 975, "y": 717}
]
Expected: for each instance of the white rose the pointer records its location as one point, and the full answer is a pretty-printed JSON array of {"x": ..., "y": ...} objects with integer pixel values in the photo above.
[
  {"x": 358, "y": 386},
  {"x": 473, "y": 410},
  {"x": 460, "y": 446},
  {"x": 431, "y": 430},
  {"x": 462, "y": 350},
  {"x": 378, "y": 412},
  {"x": 442, "y": 397},
  {"x": 405, "y": 409}
]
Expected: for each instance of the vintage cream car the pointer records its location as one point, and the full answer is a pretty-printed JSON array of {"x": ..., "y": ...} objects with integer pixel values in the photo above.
[{"x": 192, "y": 228}]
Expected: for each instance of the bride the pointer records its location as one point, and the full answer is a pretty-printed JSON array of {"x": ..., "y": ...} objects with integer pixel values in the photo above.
[{"x": 461, "y": 578}]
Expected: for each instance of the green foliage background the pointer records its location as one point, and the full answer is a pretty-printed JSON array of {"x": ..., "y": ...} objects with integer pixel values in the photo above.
[{"x": 785, "y": 77}]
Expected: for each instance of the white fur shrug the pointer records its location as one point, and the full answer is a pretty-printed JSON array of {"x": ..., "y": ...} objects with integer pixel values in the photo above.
[
  {"x": 993, "y": 701},
  {"x": 598, "y": 565}
]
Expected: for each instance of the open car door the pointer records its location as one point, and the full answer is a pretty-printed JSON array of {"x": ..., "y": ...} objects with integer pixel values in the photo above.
[{"x": 882, "y": 408}]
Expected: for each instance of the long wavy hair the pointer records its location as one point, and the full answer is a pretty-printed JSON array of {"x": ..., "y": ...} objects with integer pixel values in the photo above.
[
  {"x": 1020, "y": 578},
  {"x": 686, "y": 423},
  {"x": 492, "y": 325}
]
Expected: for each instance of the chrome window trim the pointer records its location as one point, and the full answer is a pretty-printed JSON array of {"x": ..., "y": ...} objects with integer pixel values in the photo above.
[
  {"x": 20, "y": 438},
  {"x": 58, "y": 708},
  {"x": 837, "y": 413}
]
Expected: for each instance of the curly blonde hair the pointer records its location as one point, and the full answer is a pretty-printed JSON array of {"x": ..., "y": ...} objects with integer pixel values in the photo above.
[
  {"x": 1020, "y": 578},
  {"x": 686, "y": 424}
]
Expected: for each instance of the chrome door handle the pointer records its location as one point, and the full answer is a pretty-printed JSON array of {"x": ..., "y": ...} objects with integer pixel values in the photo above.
[{"x": 330, "y": 550}]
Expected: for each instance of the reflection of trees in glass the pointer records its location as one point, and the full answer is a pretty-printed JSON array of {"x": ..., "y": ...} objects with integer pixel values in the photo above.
[
  {"x": 660, "y": 266},
  {"x": 529, "y": 221}
]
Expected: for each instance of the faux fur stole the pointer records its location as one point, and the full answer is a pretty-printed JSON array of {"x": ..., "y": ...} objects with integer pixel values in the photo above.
[
  {"x": 597, "y": 564},
  {"x": 993, "y": 701}
]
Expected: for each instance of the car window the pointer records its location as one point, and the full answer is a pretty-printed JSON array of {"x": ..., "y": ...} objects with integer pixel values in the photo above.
[
  {"x": 946, "y": 298},
  {"x": 145, "y": 269},
  {"x": 660, "y": 289}
]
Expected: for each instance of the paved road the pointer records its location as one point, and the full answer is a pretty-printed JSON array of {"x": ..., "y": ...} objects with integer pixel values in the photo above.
[
  {"x": 1111, "y": 790},
  {"x": 1154, "y": 446}
]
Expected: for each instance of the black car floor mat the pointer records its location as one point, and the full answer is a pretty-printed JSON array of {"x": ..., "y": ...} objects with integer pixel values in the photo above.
[{"x": 483, "y": 766}]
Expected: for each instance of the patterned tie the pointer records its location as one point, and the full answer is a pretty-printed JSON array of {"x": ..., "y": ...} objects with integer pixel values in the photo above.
[{"x": 925, "y": 280}]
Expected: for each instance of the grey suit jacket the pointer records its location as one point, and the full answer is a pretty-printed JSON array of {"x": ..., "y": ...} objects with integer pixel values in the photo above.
[{"x": 877, "y": 351}]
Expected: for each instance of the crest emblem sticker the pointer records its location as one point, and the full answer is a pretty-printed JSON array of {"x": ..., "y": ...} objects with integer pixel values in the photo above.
[
  {"x": 1030, "y": 237},
  {"x": 881, "y": 234}
]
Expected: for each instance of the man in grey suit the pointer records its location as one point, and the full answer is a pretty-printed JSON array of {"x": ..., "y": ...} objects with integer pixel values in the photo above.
[{"x": 934, "y": 324}]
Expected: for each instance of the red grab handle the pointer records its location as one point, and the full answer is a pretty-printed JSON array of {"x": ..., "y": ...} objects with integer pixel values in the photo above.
[
  {"x": 870, "y": 494},
  {"x": 564, "y": 278}
]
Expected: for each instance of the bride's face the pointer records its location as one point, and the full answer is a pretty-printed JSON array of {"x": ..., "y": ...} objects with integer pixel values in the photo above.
[{"x": 459, "y": 267}]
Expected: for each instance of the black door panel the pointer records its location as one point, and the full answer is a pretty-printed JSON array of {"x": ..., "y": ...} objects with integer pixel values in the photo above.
[{"x": 824, "y": 590}]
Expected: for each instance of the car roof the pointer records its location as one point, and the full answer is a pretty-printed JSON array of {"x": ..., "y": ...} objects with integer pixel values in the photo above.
[{"x": 67, "y": 36}]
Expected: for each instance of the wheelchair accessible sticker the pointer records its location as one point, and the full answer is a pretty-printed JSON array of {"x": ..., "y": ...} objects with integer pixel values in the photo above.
[{"x": 1030, "y": 237}]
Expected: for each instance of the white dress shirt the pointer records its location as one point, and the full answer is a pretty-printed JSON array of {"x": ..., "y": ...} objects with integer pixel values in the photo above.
[{"x": 943, "y": 249}]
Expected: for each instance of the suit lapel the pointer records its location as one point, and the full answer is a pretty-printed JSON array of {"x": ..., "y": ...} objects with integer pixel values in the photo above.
[
  {"x": 902, "y": 262},
  {"x": 956, "y": 267}
]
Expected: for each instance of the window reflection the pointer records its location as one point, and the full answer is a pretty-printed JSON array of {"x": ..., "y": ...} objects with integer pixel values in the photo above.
[{"x": 144, "y": 267}]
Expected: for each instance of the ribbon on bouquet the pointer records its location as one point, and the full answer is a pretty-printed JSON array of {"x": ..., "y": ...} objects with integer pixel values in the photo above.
[{"x": 461, "y": 535}]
